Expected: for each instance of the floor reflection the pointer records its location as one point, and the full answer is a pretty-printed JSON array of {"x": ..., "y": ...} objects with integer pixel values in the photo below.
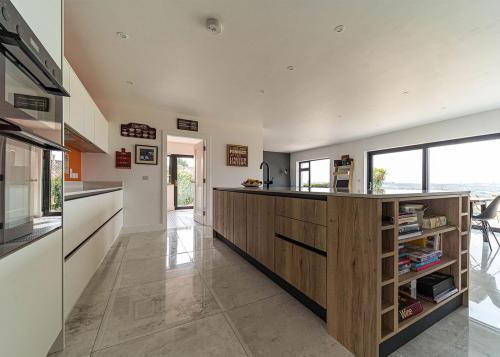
[{"x": 484, "y": 295}]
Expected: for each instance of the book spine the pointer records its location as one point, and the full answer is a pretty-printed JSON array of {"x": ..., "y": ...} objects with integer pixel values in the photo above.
[{"x": 428, "y": 265}]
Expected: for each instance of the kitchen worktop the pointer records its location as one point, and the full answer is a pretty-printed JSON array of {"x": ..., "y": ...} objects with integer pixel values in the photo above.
[
  {"x": 42, "y": 227},
  {"x": 74, "y": 190},
  {"x": 319, "y": 192}
]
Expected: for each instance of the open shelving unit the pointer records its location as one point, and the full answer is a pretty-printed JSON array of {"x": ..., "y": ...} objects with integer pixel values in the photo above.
[{"x": 454, "y": 240}]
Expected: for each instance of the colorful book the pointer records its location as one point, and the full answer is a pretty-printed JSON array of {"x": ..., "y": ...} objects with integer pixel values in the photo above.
[
  {"x": 420, "y": 264},
  {"x": 423, "y": 267}
]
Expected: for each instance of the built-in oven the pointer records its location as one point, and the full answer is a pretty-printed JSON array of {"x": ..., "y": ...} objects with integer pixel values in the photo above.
[{"x": 30, "y": 131}]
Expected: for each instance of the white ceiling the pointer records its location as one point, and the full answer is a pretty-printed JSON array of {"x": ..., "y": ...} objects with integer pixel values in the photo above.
[{"x": 399, "y": 63}]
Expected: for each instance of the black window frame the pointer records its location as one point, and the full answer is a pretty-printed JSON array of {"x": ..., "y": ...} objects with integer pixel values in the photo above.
[
  {"x": 47, "y": 184},
  {"x": 425, "y": 154},
  {"x": 309, "y": 170}
]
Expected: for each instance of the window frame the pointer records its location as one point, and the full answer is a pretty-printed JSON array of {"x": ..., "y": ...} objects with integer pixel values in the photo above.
[
  {"x": 300, "y": 170},
  {"x": 425, "y": 154}
]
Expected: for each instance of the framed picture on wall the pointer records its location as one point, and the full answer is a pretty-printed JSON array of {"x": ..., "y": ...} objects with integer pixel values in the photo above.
[{"x": 146, "y": 155}]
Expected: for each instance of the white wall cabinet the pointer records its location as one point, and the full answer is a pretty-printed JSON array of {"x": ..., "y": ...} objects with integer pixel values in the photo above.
[
  {"x": 81, "y": 113},
  {"x": 31, "y": 298}
]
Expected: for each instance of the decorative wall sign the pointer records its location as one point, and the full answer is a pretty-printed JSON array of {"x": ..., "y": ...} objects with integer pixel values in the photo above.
[
  {"x": 184, "y": 124},
  {"x": 135, "y": 130},
  {"x": 147, "y": 155},
  {"x": 123, "y": 159},
  {"x": 237, "y": 155}
]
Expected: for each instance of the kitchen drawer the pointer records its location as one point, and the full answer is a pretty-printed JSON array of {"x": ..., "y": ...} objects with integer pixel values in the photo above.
[
  {"x": 83, "y": 216},
  {"x": 302, "y": 268},
  {"x": 81, "y": 266},
  {"x": 313, "y": 235},
  {"x": 307, "y": 210}
]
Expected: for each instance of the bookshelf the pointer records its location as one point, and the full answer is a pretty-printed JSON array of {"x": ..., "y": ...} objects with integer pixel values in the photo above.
[
  {"x": 343, "y": 175},
  {"x": 454, "y": 239},
  {"x": 363, "y": 278}
]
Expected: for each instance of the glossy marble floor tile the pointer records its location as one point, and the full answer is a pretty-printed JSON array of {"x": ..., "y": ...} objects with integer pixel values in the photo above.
[
  {"x": 239, "y": 285},
  {"x": 143, "y": 309},
  {"x": 215, "y": 258},
  {"x": 140, "y": 271},
  {"x": 208, "y": 337},
  {"x": 281, "y": 326},
  {"x": 183, "y": 293},
  {"x": 83, "y": 324}
]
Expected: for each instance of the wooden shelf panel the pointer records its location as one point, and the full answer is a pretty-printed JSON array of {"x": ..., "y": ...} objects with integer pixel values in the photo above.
[
  {"x": 428, "y": 308},
  {"x": 407, "y": 277},
  {"x": 386, "y": 334},
  {"x": 464, "y": 251},
  {"x": 386, "y": 226},
  {"x": 464, "y": 214},
  {"x": 387, "y": 253},
  {"x": 464, "y": 233},
  {"x": 429, "y": 233},
  {"x": 387, "y": 280},
  {"x": 386, "y": 307}
]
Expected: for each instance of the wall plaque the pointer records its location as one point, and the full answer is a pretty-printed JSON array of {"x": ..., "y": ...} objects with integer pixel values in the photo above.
[
  {"x": 237, "y": 155},
  {"x": 136, "y": 130},
  {"x": 184, "y": 124},
  {"x": 123, "y": 159}
]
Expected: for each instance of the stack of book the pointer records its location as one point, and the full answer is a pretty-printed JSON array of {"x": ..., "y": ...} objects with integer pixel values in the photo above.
[
  {"x": 422, "y": 257},
  {"x": 408, "y": 223},
  {"x": 436, "y": 287},
  {"x": 404, "y": 262}
]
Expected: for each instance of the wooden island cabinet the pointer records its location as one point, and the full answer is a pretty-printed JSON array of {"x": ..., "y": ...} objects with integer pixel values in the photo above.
[{"x": 334, "y": 253}]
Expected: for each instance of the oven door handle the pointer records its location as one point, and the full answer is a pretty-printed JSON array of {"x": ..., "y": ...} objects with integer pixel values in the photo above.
[{"x": 13, "y": 39}]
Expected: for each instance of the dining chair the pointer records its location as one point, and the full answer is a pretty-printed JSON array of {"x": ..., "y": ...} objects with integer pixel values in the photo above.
[{"x": 489, "y": 213}]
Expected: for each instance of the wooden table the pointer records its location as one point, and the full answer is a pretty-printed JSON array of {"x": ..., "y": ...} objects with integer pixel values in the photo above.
[{"x": 481, "y": 202}]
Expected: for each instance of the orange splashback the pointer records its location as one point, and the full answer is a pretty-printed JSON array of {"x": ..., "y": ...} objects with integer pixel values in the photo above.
[{"x": 73, "y": 164}]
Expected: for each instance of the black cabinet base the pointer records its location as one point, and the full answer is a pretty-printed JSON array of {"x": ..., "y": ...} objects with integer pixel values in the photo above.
[
  {"x": 306, "y": 301},
  {"x": 393, "y": 343}
]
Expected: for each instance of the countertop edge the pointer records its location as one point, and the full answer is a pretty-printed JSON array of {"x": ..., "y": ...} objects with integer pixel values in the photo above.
[
  {"x": 324, "y": 195},
  {"x": 21, "y": 247},
  {"x": 73, "y": 196}
]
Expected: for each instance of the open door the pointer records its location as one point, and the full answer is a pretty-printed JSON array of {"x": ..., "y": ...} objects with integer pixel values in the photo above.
[{"x": 199, "y": 183}]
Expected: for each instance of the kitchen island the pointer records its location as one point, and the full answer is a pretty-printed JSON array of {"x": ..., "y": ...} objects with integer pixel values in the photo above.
[{"x": 335, "y": 254}]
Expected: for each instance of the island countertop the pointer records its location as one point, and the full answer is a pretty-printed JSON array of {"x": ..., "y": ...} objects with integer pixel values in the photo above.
[{"x": 323, "y": 193}]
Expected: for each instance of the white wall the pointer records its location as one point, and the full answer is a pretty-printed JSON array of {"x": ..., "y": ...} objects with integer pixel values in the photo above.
[
  {"x": 462, "y": 127},
  {"x": 180, "y": 148},
  {"x": 143, "y": 197}
]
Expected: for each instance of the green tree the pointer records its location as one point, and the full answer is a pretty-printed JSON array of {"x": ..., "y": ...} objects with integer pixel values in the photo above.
[
  {"x": 379, "y": 176},
  {"x": 56, "y": 194},
  {"x": 185, "y": 188}
]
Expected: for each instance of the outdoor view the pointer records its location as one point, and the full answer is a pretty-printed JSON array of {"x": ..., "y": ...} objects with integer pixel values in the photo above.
[
  {"x": 470, "y": 166},
  {"x": 314, "y": 173},
  {"x": 185, "y": 182}
]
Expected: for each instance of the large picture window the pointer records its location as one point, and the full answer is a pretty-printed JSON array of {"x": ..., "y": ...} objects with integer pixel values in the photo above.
[
  {"x": 469, "y": 164},
  {"x": 314, "y": 173}
]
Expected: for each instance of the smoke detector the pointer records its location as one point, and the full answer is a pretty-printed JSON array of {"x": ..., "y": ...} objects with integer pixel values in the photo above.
[{"x": 214, "y": 26}]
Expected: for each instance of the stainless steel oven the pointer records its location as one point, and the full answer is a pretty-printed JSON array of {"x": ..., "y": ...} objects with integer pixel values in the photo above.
[
  {"x": 30, "y": 82},
  {"x": 30, "y": 131}
]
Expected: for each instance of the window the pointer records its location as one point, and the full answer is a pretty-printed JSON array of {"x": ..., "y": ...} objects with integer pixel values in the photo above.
[
  {"x": 314, "y": 173},
  {"x": 400, "y": 170}
]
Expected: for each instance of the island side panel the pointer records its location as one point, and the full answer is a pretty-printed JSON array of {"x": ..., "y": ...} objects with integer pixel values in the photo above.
[{"x": 352, "y": 273}]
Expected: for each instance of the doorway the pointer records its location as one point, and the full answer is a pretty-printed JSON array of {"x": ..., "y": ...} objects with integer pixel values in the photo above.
[{"x": 186, "y": 179}]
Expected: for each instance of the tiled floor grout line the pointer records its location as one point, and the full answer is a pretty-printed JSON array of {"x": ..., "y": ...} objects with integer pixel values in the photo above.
[{"x": 107, "y": 302}]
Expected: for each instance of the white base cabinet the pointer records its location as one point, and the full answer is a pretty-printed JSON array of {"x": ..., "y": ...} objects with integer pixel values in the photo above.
[
  {"x": 91, "y": 225},
  {"x": 31, "y": 298},
  {"x": 80, "y": 267}
]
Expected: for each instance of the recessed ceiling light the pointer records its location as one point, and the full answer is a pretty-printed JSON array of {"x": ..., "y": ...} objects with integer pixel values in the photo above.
[
  {"x": 290, "y": 68},
  {"x": 443, "y": 108},
  {"x": 214, "y": 26},
  {"x": 130, "y": 83},
  {"x": 262, "y": 91},
  {"x": 122, "y": 35},
  {"x": 405, "y": 92},
  {"x": 339, "y": 28}
]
